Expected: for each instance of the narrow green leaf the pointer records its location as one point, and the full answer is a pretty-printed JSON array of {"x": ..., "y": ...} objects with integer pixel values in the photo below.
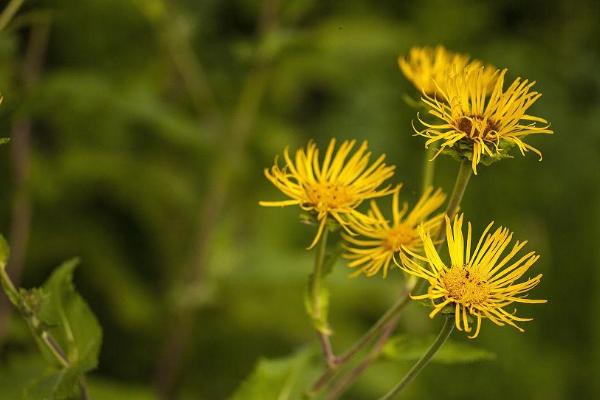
[
  {"x": 318, "y": 315},
  {"x": 405, "y": 348}
]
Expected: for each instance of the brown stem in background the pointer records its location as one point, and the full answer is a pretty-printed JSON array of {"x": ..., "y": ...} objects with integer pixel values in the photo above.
[
  {"x": 233, "y": 142},
  {"x": 178, "y": 45},
  {"x": 20, "y": 163}
]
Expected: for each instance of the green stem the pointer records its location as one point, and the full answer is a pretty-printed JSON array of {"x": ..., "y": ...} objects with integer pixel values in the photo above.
[
  {"x": 9, "y": 288},
  {"x": 317, "y": 308},
  {"x": 447, "y": 329},
  {"x": 462, "y": 180},
  {"x": 428, "y": 168},
  {"x": 9, "y": 12},
  {"x": 315, "y": 283}
]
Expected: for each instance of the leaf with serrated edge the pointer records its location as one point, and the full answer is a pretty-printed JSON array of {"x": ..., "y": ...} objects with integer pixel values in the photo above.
[{"x": 70, "y": 321}]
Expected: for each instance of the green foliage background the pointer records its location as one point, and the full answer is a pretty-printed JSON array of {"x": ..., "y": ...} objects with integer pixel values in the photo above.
[{"x": 152, "y": 123}]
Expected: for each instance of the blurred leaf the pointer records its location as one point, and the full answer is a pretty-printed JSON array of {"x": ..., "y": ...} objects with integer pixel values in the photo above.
[
  {"x": 28, "y": 377},
  {"x": 17, "y": 373},
  {"x": 54, "y": 384},
  {"x": 281, "y": 379},
  {"x": 404, "y": 348},
  {"x": 101, "y": 389},
  {"x": 70, "y": 320}
]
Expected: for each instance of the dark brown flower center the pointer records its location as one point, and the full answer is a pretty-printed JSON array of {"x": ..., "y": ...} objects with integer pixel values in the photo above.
[{"x": 477, "y": 127}]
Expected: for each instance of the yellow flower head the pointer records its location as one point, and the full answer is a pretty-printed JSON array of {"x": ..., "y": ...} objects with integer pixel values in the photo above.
[
  {"x": 427, "y": 67},
  {"x": 333, "y": 187},
  {"x": 476, "y": 122},
  {"x": 381, "y": 240},
  {"x": 478, "y": 284}
]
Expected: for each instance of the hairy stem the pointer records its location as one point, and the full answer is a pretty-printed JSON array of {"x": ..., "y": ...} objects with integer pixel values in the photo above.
[{"x": 447, "y": 329}]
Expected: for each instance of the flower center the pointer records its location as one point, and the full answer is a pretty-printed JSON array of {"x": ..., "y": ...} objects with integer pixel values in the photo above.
[
  {"x": 400, "y": 235},
  {"x": 328, "y": 196},
  {"x": 477, "y": 127},
  {"x": 465, "y": 286}
]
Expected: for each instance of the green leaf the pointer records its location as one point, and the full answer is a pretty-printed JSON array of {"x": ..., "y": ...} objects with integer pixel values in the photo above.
[
  {"x": 69, "y": 319},
  {"x": 102, "y": 389},
  {"x": 318, "y": 313},
  {"x": 18, "y": 372},
  {"x": 405, "y": 348},
  {"x": 4, "y": 140},
  {"x": 54, "y": 384},
  {"x": 280, "y": 379}
]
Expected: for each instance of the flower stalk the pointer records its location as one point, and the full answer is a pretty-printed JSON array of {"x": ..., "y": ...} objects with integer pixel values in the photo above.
[
  {"x": 447, "y": 329},
  {"x": 428, "y": 167},
  {"x": 317, "y": 301}
]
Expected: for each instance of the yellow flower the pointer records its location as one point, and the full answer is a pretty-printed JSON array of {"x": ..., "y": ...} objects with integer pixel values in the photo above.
[
  {"x": 381, "y": 240},
  {"x": 480, "y": 284},
  {"x": 427, "y": 67},
  {"x": 477, "y": 122},
  {"x": 333, "y": 188}
]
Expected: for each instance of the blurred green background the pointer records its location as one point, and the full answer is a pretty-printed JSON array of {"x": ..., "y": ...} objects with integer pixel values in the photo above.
[{"x": 140, "y": 129}]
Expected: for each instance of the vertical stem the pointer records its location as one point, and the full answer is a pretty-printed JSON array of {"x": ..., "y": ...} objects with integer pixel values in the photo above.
[
  {"x": 314, "y": 292},
  {"x": 447, "y": 329},
  {"x": 315, "y": 283},
  {"x": 462, "y": 180},
  {"x": 428, "y": 167},
  {"x": 232, "y": 140},
  {"x": 21, "y": 131}
]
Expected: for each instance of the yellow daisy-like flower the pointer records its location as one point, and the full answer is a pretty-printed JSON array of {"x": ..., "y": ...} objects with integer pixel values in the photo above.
[
  {"x": 480, "y": 284},
  {"x": 477, "y": 122},
  {"x": 333, "y": 188},
  {"x": 427, "y": 67},
  {"x": 382, "y": 240}
]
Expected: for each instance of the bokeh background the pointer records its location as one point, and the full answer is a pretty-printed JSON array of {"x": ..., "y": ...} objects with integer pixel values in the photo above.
[{"x": 140, "y": 129}]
